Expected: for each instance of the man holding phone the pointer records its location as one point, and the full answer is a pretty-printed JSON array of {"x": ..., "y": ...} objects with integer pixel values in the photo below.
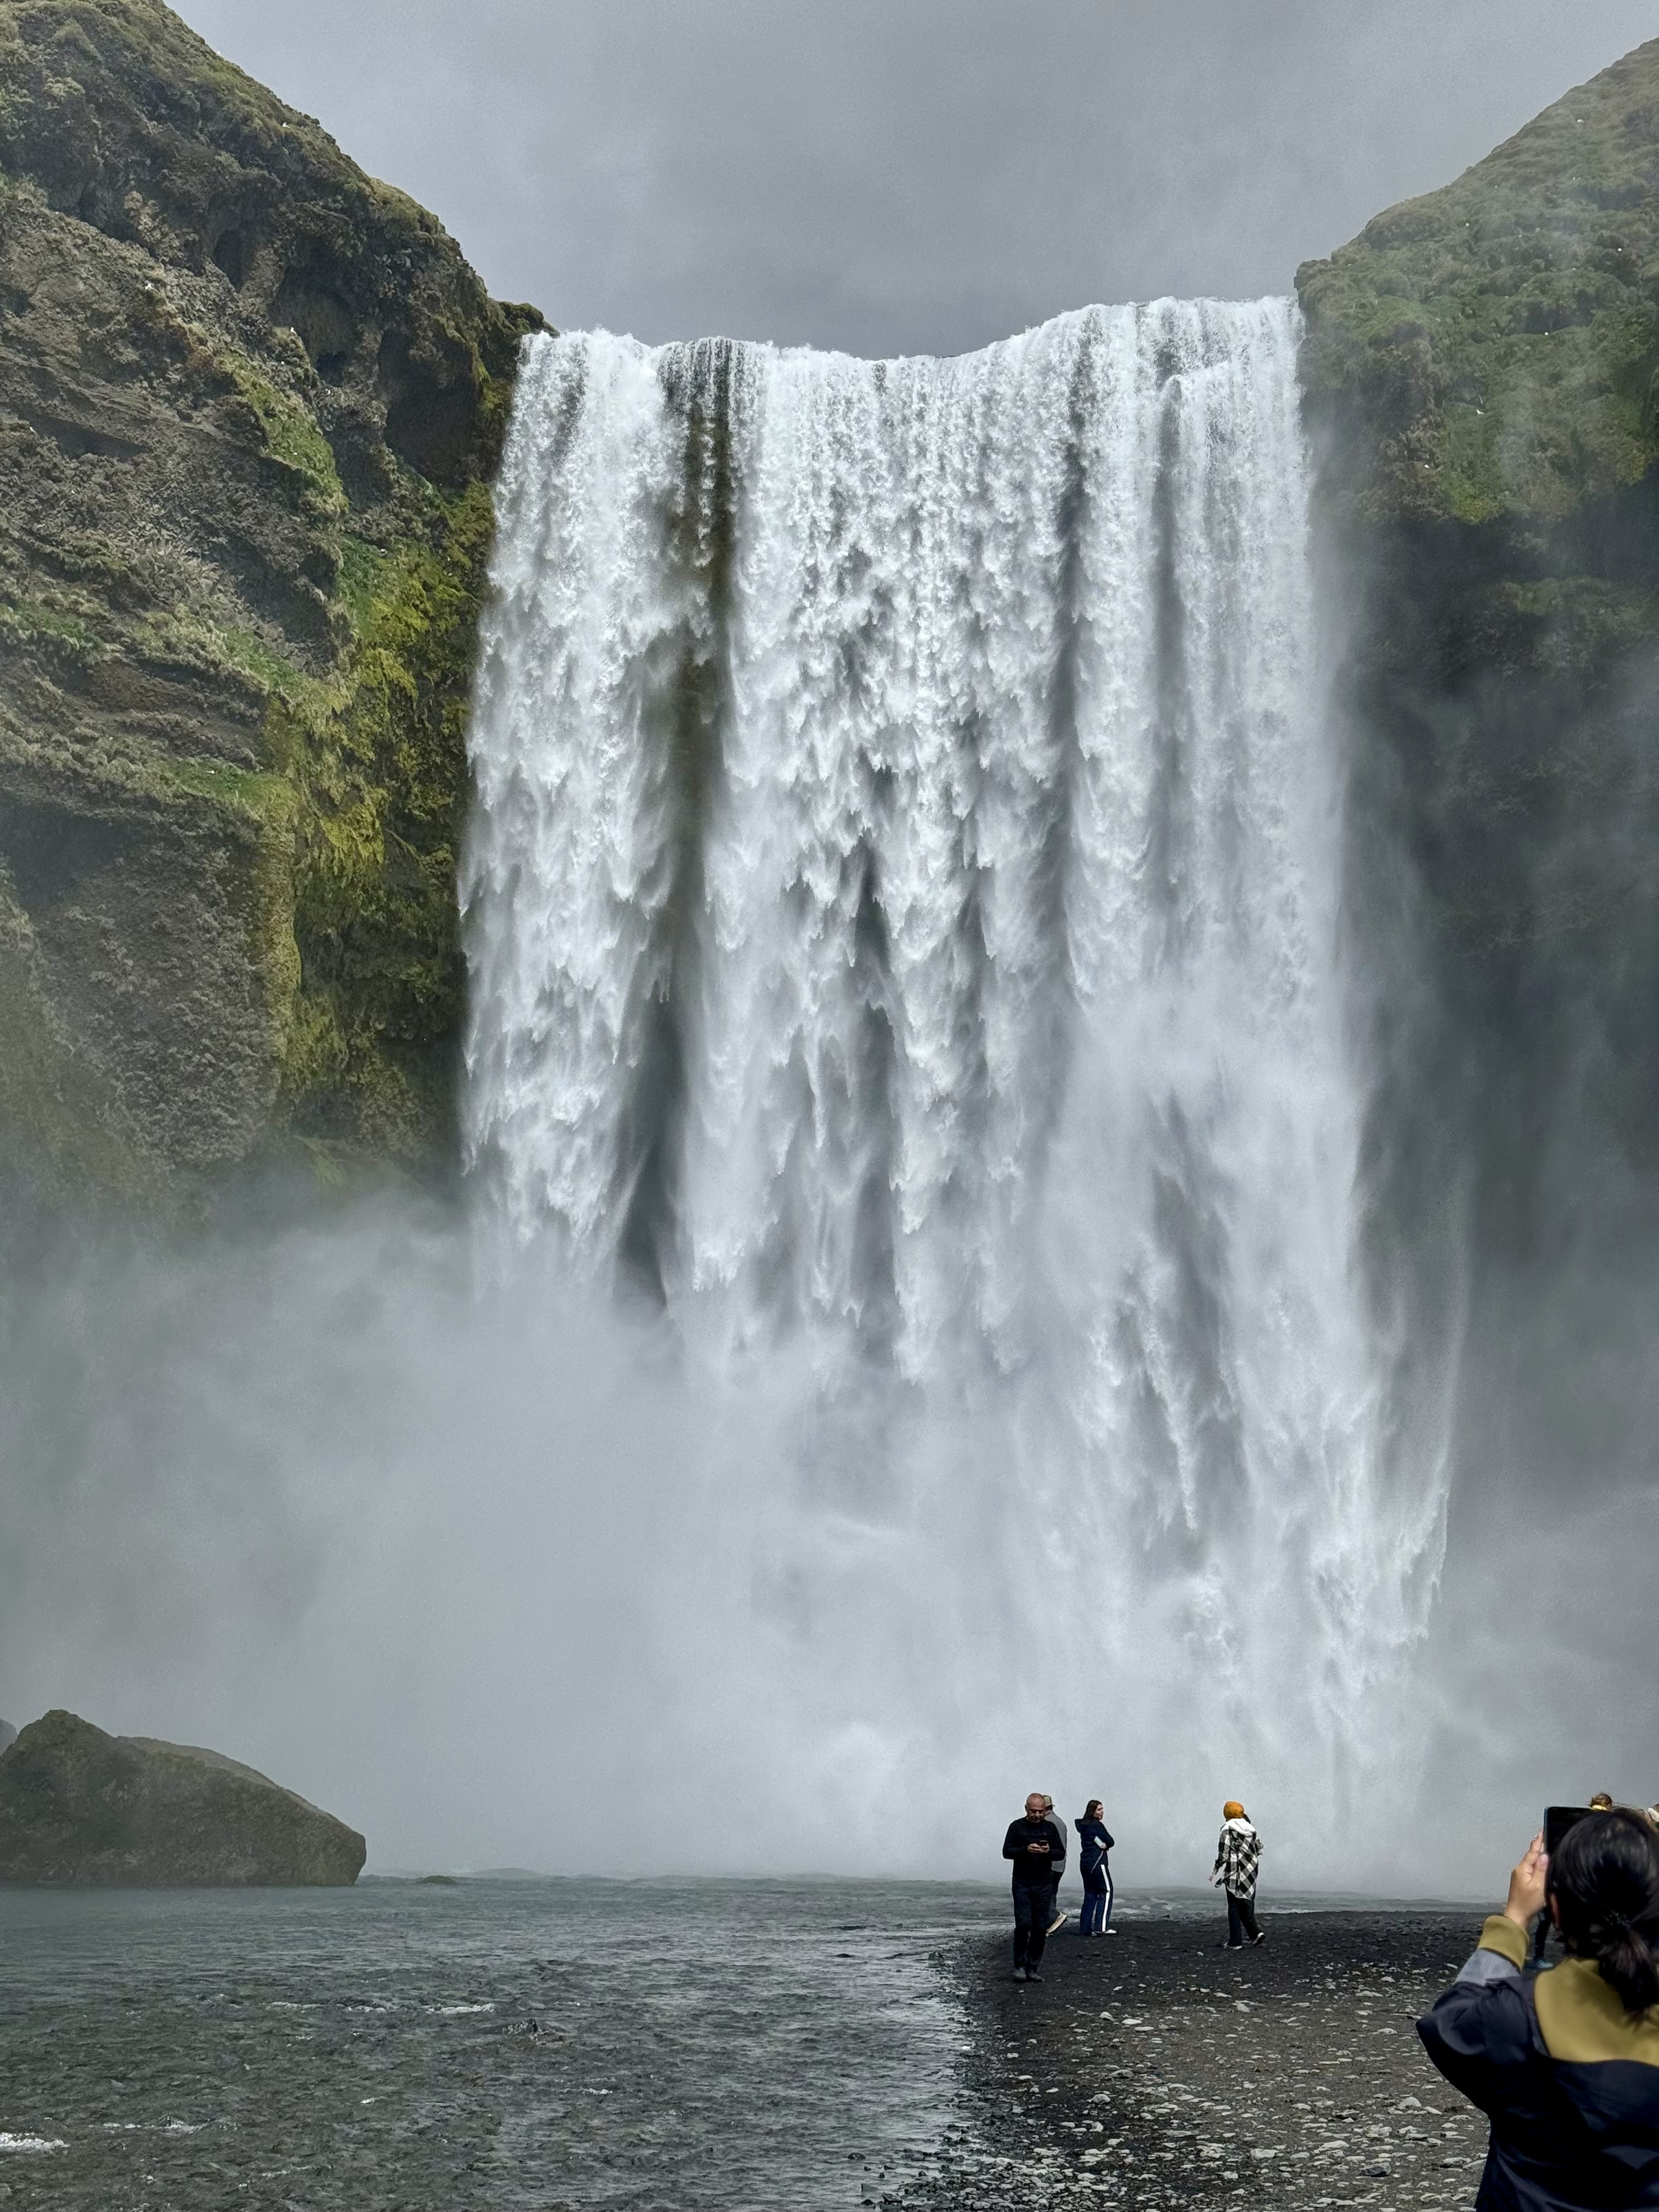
[{"x": 1029, "y": 1843}]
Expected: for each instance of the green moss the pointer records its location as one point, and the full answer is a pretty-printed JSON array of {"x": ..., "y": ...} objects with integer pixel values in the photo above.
[
  {"x": 1573, "y": 629},
  {"x": 1473, "y": 473},
  {"x": 29, "y": 618},
  {"x": 280, "y": 421},
  {"x": 382, "y": 777},
  {"x": 361, "y": 567},
  {"x": 265, "y": 796},
  {"x": 191, "y": 641},
  {"x": 292, "y": 436},
  {"x": 354, "y": 818},
  {"x": 113, "y": 579},
  {"x": 1495, "y": 344},
  {"x": 248, "y": 654}
]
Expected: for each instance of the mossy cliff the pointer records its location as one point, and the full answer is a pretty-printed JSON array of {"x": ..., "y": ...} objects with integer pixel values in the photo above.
[
  {"x": 251, "y": 402},
  {"x": 1482, "y": 371}
]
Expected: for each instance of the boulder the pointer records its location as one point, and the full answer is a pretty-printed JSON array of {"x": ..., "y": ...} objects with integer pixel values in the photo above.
[{"x": 80, "y": 1808}]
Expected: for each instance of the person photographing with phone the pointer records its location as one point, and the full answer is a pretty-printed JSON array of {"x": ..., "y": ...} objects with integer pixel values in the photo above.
[{"x": 1565, "y": 2062}]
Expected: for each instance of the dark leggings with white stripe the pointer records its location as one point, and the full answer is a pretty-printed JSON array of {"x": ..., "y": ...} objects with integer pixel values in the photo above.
[{"x": 1096, "y": 1901}]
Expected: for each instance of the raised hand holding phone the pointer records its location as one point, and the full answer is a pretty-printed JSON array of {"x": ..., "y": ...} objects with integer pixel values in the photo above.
[{"x": 1526, "y": 1884}]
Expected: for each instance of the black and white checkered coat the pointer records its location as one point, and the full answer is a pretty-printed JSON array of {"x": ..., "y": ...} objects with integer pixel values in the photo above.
[{"x": 1236, "y": 1858}]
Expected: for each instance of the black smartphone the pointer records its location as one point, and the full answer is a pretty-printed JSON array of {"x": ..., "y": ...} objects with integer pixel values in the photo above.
[{"x": 1557, "y": 1819}]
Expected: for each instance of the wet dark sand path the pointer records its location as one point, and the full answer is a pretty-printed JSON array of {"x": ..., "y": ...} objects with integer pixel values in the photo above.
[{"x": 1154, "y": 2067}]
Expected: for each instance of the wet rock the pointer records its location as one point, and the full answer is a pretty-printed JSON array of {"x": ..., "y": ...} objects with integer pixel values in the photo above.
[
  {"x": 1480, "y": 378},
  {"x": 79, "y": 1807},
  {"x": 250, "y": 404}
]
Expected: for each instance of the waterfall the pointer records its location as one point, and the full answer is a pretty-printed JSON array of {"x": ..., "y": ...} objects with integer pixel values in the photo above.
[{"x": 902, "y": 910}]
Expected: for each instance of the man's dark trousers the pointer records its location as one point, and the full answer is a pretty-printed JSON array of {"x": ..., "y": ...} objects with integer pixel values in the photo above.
[
  {"x": 1241, "y": 1920},
  {"x": 1033, "y": 1910}
]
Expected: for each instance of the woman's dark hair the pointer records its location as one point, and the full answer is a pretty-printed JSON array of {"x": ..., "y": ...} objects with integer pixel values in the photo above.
[
  {"x": 1093, "y": 1807},
  {"x": 1605, "y": 1880}
]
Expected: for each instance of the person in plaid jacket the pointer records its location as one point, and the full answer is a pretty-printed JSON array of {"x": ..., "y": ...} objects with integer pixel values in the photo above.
[{"x": 1236, "y": 1858}]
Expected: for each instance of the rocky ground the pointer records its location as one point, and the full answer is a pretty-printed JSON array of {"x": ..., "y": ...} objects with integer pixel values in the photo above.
[{"x": 1156, "y": 2069}]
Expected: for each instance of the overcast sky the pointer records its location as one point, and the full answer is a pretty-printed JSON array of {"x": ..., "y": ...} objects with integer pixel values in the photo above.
[{"x": 909, "y": 175}]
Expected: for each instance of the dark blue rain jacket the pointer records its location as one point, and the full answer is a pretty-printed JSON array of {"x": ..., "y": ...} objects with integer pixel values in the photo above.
[
  {"x": 1568, "y": 2078},
  {"x": 1094, "y": 1841}
]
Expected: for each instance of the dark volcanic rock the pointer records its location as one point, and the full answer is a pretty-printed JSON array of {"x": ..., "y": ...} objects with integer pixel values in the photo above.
[
  {"x": 1481, "y": 378},
  {"x": 80, "y": 1808},
  {"x": 250, "y": 403}
]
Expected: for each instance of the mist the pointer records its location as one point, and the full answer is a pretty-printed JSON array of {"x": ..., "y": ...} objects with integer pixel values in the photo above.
[{"x": 477, "y": 1566}]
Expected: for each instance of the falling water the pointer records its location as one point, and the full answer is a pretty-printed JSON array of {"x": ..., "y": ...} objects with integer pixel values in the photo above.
[{"x": 902, "y": 906}]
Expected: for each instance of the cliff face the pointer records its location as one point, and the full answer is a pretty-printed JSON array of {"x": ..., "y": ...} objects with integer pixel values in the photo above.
[
  {"x": 1482, "y": 378},
  {"x": 250, "y": 404}
]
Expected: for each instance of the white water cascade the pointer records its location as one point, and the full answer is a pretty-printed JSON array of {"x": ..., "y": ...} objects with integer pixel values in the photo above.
[{"x": 903, "y": 904}]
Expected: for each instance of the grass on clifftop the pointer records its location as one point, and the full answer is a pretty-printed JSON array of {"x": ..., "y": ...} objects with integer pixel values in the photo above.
[{"x": 1501, "y": 337}]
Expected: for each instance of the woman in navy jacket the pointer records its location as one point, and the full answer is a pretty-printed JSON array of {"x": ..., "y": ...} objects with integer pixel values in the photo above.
[
  {"x": 1094, "y": 1841},
  {"x": 1565, "y": 2062}
]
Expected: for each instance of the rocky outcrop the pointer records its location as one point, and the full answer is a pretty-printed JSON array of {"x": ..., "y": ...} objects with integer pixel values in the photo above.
[
  {"x": 80, "y": 1808},
  {"x": 8, "y": 1735},
  {"x": 250, "y": 403},
  {"x": 1481, "y": 370}
]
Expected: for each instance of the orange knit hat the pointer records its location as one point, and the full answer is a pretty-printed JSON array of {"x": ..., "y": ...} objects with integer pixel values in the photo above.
[{"x": 1232, "y": 1810}]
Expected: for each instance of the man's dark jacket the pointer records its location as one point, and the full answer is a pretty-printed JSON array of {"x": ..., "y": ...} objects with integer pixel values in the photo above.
[{"x": 1032, "y": 1866}]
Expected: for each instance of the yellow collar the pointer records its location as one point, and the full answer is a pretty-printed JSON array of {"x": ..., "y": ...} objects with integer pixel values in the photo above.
[{"x": 1583, "y": 2021}]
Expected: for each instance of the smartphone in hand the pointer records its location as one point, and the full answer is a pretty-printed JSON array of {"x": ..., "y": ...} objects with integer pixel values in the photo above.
[{"x": 1557, "y": 1819}]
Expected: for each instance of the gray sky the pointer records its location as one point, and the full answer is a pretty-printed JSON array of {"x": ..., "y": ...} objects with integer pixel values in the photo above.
[{"x": 909, "y": 175}]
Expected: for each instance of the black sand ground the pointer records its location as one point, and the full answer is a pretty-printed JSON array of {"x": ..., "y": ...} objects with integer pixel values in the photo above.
[{"x": 1153, "y": 2068}]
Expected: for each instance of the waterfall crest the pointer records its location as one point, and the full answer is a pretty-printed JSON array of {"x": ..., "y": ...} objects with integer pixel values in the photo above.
[{"x": 903, "y": 911}]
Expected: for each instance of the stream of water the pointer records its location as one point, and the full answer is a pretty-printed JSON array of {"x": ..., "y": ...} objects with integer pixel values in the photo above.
[{"x": 903, "y": 909}]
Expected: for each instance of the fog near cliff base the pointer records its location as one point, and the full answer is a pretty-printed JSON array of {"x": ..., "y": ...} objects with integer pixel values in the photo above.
[
  {"x": 485, "y": 1574},
  {"x": 1515, "y": 1217},
  {"x": 921, "y": 178}
]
